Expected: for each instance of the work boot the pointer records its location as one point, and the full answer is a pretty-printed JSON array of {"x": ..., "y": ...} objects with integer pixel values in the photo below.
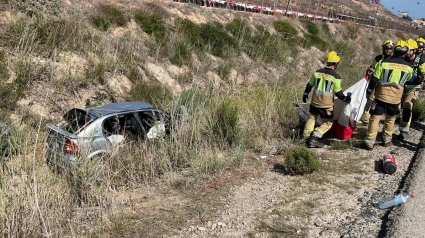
[
  {"x": 315, "y": 143},
  {"x": 401, "y": 136},
  {"x": 367, "y": 146},
  {"x": 387, "y": 143}
]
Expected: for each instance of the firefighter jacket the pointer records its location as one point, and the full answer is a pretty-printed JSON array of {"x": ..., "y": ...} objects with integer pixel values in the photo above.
[
  {"x": 389, "y": 78},
  {"x": 378, "y": 59},
  {"x": 414, "y": 84},
  {"x": 325, "y": 83}
]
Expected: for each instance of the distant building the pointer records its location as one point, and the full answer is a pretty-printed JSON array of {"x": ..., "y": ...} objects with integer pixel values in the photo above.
[{"x": 419, "y": 23}]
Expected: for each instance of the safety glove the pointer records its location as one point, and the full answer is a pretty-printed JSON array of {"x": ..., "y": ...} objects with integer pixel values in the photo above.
[
  {"x": 369, "y": 71},
  {"x": 305, "y": 97},
  {"x": 347, "y": 99}
]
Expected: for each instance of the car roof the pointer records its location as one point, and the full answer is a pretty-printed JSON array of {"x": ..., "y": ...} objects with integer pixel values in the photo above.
[{"x": 118, "y": 107}]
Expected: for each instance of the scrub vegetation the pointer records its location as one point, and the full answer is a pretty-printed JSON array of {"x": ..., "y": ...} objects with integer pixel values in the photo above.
[{"x": 226, "y": 116}]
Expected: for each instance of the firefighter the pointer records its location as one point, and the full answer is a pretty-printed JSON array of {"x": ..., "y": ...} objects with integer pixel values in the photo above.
[
  {"x": 387, "y": 52},
  {"x": 411, "y": 88},
  {"x": 325, "y": 83},
  {"x": 388, "y": 82},
  {"x": 421, "y": 46}
]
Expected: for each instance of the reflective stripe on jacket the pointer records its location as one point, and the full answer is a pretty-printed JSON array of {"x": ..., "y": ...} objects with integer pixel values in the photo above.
[
  {"x": 326, "y": 82},
  {"x": 392, "y": 75}
]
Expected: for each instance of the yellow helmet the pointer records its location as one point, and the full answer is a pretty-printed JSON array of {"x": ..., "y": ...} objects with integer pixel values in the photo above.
[
  {"x": 412, "y": 44},
  {"x": 388, "y": 44},
  {"x": 332, "y": 57},
  {"x": 421, "y": 42},
  {"x": 401, "y": 47}
]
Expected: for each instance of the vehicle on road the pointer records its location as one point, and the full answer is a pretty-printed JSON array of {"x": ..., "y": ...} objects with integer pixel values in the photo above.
[{"x": 87, "y": 133}]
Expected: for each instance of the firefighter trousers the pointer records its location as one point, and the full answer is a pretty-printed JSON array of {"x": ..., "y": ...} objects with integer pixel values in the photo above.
[
  {"x": 378, "y": 109},
  {"x": 408, "y": 101},
  {"x": 326, "y": 114}
]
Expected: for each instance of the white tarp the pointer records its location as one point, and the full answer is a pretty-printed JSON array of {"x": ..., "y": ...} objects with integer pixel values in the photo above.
[{"x": 343, "y": 112}]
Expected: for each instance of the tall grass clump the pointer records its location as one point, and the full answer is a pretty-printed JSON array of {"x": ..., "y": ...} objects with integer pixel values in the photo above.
[
  {"x": 114, "y": 15},
  {"x": 347, "y": 68},
  {"x": 325, "y": 29},
  {"x": 151, "y": 23},
  {"x": 352, "y": 31},
  {"x": 268, "y": 48},
  {"x": 310, "y": 26},
  {"x": 238, "y": 28},
  {"x": 152, "y": 92},
  {"x": 51, "y": 7},
  {"x": 224, "y": 122},
  {"x": 190, "y": 30},
  {"x": 45, "y": 35},
  {"x": 284, "y": 28},
  {"x": 216, "y": 39},
  {"x": 182, "y": 54},
  {"x": 418, "y": 111},
  {"x": 267, "y": 113},
  {"x": 34, "y": 202},
  {"x": 314, "y": 40},
  {"x": 299, "y": 160}
]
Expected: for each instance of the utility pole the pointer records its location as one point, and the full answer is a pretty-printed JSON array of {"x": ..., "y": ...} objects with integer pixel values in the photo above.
[
  {"x": 308, "y": 10},
  {"x": 287, "y": 7},
  {"x": 262, "y": 4}
]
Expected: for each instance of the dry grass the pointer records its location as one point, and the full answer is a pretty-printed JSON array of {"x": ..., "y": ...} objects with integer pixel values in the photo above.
[{"x": 222, "y": 122}]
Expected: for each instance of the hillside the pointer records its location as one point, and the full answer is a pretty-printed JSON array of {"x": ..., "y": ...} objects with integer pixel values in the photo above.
[{"x": 232, "y": 76}]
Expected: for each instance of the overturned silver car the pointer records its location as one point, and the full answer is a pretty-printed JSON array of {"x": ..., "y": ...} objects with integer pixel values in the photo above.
[{"x": 86, "y": 133}]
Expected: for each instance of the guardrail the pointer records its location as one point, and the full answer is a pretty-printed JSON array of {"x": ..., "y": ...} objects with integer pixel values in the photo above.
[{"x": 367, "y": 21}]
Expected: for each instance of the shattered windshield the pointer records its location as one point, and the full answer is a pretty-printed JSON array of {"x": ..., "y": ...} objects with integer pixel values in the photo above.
[{"x": 75, "y": 119}]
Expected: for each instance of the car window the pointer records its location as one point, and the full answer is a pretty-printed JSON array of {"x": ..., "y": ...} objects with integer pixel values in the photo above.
[
  {"x": 75, "y": 119},
  {"x": 125, "y": 125}
]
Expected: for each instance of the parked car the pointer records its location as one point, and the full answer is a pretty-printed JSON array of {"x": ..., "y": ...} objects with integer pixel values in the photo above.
[{"x": 98, "y": 130}]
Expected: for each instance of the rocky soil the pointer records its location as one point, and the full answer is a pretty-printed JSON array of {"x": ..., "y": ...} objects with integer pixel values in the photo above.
[
  {"x": 260, "y": 200},
  {"x": 339, "y": 202}
]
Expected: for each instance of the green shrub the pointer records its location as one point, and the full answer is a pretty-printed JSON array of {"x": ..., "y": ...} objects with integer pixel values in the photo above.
[
  {"x": 352, "y": 31},
  {"x": 310, "y": 26},
  {"x": 224, "y": 122},
  {"x": 418, "y": 111},
  {"x": 269, "y": 48},
  {"x": 284, "y": 28},
  {"x": 114, "y": 15},
  {"x": 4, "y": 72},
  {"x": 192, "y": 100},
  {"x": 51, "y": 7},
  {"x": 239, "y": 28},
  {"x": 101, "y": 22},
  {"x": 224, "y": 70},
  {"x": 190, "y": 30},
  {"x": 314, "y": 40},
  {"x": 300, "y": 160},
  {"x": 10, "y": 140},
  {"x": 151, "y": 23},
  {"x": 216, "y": 39},
  {"x": 383, "y": 30},
  {"x": 181, "y": 55},
  {"x": 96, "y": 72}
]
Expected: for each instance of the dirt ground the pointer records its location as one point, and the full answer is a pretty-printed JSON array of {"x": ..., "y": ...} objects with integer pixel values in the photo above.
[{"x": 260, "y": 200}]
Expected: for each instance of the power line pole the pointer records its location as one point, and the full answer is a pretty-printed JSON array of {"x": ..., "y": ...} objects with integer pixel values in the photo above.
[{"x": 287, "y": 7}]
